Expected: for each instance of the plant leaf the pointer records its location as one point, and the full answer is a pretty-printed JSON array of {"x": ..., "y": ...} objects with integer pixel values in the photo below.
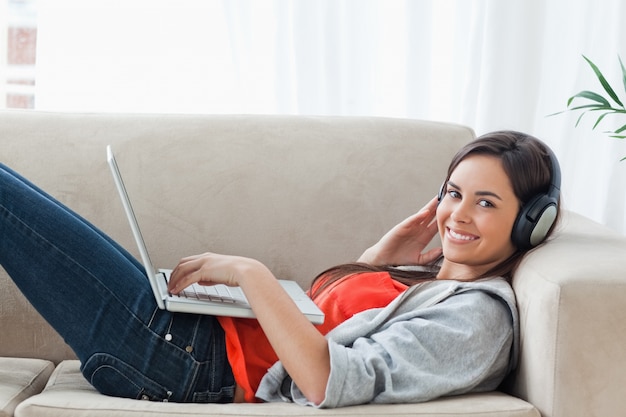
[
  {"x": 621, "y": 129},
  {"x": 600, "y": 119},
  {"x": 603, "y": 81},
  {"x": 579, "y": 119},
  {"x": 596, "y": 109},
  {"x": 591, "y": 107},
  {"x": 590, "y": 95}
]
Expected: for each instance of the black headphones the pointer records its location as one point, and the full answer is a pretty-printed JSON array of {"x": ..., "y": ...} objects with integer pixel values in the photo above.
[{"x": 536, "y": 217}]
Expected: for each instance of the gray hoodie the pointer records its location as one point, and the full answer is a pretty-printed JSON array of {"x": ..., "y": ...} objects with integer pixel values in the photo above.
[{"x": 435, "y": 339}]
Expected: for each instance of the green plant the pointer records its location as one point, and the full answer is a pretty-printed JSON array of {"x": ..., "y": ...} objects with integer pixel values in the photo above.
[{"x": 601, "y": 104}]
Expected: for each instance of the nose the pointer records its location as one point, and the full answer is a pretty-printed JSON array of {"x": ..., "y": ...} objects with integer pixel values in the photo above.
[{"x": 461, "y": 212}]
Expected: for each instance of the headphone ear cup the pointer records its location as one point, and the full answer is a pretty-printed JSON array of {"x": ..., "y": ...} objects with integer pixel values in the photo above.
[{"x": 534, "y": 221}]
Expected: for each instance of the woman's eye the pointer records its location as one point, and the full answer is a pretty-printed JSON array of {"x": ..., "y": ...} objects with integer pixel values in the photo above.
[
  {"x": 454, "y": 194},
  {"x": 485, "y": 203}
]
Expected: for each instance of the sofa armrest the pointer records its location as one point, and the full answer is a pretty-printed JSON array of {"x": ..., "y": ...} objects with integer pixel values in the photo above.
[{"x": 571, "y": 296}]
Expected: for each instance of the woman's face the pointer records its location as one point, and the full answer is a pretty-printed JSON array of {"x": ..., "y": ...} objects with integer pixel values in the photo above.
[{"x": 475, "y": 218}]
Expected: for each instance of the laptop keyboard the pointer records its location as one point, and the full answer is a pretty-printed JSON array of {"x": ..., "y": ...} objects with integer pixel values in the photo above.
[{"x": 219, "y": 292}]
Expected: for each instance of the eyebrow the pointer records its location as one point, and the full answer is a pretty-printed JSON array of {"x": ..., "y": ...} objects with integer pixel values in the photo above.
[{"x": 478, "y": 193}]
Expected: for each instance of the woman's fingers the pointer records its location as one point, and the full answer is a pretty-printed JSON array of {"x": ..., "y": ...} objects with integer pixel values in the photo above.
[
  {"x": 190, "y": 270},
  {"x": 210, "y": 268}
]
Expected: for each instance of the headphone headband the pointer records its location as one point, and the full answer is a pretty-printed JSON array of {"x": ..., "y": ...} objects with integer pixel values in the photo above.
[{"x": 555, "y": 175}]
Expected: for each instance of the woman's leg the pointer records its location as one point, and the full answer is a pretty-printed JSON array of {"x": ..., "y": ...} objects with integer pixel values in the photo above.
[{"x": 96, "y": 295}]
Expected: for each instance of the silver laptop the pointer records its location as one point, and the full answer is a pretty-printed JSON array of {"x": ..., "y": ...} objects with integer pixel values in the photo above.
[{"x": 217, "y": 300}]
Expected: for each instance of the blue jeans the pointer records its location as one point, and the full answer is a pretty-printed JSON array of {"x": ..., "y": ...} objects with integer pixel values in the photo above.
[{"x": 97, "y": 297}]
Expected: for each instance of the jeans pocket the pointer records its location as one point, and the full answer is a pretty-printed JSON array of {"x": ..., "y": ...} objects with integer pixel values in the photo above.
[
  {"x": 113, "y": 377},
  {"x": 223, "y": 396}
]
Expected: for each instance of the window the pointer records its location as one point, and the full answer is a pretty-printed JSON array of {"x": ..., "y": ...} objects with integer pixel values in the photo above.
[{"x": 17, "y": 67}]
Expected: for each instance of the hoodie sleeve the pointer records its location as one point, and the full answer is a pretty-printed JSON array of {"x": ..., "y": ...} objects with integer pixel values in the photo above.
[{"x": 460, "y": 345}]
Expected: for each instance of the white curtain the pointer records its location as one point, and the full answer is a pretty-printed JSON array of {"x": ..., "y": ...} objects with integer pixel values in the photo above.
[{"x": 489, "y": 64}]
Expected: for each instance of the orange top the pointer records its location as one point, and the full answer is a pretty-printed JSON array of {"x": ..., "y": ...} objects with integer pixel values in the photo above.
[{"x": 250, "y": 353}]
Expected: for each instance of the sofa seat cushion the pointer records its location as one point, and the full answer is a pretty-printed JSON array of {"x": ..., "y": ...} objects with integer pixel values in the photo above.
[
  {"x": 19, "y": 379},
  {"x": 68, "y": 394}
]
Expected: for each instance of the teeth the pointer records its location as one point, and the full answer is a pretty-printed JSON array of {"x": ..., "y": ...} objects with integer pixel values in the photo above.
[{"x": 459, "y": 236}]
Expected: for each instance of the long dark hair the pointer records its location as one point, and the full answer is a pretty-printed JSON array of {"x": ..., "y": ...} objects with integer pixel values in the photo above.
[{"x": 527, "y": 163}]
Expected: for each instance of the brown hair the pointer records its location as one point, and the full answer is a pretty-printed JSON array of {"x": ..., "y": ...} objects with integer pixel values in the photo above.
[{"x": 526, "y": 161}]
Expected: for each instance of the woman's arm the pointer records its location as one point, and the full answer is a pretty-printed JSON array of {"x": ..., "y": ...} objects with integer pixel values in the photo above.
[
  {"x": 404, "y": 244},
  {"x": 301, "y": 348}
]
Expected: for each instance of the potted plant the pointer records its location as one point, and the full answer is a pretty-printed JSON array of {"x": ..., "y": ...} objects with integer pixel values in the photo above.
[{"x": 599, "y": 104}]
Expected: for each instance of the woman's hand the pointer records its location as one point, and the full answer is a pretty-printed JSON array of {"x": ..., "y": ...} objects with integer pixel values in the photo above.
[
  {"x": 212, "y": 268},
  {"x": 405, "y": 243}
]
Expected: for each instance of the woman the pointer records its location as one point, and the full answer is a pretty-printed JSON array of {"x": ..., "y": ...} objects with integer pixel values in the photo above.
[{"x": 394, "y": 334}]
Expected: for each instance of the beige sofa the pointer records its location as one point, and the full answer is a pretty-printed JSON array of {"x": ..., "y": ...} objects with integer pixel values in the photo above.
[{"x": 300, "y": 194}]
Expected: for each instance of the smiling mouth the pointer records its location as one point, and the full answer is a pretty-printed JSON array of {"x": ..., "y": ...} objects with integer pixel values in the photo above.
[{"x": 459, "y": 236}]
